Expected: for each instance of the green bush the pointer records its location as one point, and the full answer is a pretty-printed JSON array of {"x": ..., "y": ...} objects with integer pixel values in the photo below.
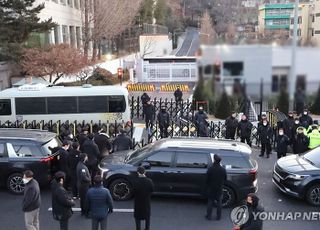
[
  {"x": 283, "y": 101},
  {"x": 315, "y": 107},
  {"x": 223, "y": 106}
]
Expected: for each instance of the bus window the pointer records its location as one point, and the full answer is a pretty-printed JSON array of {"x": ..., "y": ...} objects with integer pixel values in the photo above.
[
  {"x": 5, "y": 107},
  {"x": 93, "y": 104},
  {"x": 117, "y": 104},
  {"x": 60, "y": 105},
  {"x": 30, "y": 105}
]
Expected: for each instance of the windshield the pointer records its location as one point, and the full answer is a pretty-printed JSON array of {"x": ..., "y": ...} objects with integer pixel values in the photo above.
[
  {"x": 51, "y": 146},
  {"x": 138, "y": 154},
  {"x": 313, "y": 156}
]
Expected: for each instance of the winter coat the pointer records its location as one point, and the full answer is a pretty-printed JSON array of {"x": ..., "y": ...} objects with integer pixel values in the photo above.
[
  {"x": 178, "y": 95},
  {"x": 265, "y": 134},
  {"x": 143, "y": 188},
  {"x": 305, "y": 121},
  {"x": 99, "y": 202},
  {"x": 216, "y": 176},
  {"x": 300, "y": 143},
  {"x": 252, "y": 223},
  {"x": 31, "y": 199},
  {"x": 163, "y": 119},
  {"x": 81, "y": 139},
  {"x": 144, "y": 98},
  {"x": 103, "y": 144},
  {"x": 288, "y": 126},
  {"x": 231, "y": 126},
  {"x": 74, "y": 158},
  {"x": 122, "y": 142},
  {"x": 92, "y": 150},
  {"x": 61, "y": 202},
  {"x": 149, "y": 112},
  {"x": 200, "y": 117},
  {"x": 64, "y": 161},
  {"x": 83, "y": 175},
  {"x": 244, "y": 128},
  {"x": 282, "y": 143}
]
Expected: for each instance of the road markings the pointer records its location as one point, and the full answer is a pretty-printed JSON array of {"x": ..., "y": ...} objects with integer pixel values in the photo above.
[{"x": 114, "y": 210}]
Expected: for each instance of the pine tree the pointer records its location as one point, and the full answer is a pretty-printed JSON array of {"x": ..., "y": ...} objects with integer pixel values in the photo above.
[
  {"x": 18, "y": 19},
  {"x": 199, "y": 94},
  {"x": 224, "y": 106},
  {"x": 315, "y": 108},
  {"x": 283, "y": 101}
]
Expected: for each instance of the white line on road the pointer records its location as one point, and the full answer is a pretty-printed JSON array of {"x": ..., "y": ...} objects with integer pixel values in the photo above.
[{"x": 114, "y": 210}]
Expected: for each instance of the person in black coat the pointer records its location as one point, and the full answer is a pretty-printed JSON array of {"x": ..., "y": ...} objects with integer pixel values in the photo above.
[
  {"x": 144, "y": 99},
  {"x": 300, "y": 142},
  {"x": 91, "y": 149},
  {"x": 282, "y": 144},
  {"x": 62, "y": 203},
  {"x": 265, "y": 135},
  {"x": 83, "y": 182},
  {"x": 216, "y": 176},
  {"x": 244, "y": 130},
  {"x": 82, "y": 137},
  {"x": 122, "y": 142},
  {"x": 231, "y": 126},
  {"x": 104, "y": 145},
  {"x": 149, "y": 115},
  {"x": 296, "y": 126},
  {"x": 74, "y": 158},
  {"x": 143, "y": 188},
  {"x": 178, "y": 95},
  {"x": 164, "y": 122},
  {"x": 253, "y": 207},
  {"x": 200, "y": 121},
  {"x": 305, "y": 119},
  {"x": 288, "y": 126},
  {"x": 63, "y": 157}
]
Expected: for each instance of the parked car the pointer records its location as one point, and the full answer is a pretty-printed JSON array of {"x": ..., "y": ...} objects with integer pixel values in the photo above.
[
  {"x": 178, "y": 166},
  {"x": 22, "y": 149},
  {"x": 299, "y": 176}
]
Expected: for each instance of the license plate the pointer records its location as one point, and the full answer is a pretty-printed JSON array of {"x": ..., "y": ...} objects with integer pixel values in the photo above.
[{"x": 276, "y": 178}]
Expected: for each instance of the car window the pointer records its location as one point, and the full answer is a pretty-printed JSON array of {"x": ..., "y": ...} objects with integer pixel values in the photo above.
[
  {"x": 51, "y": 147},
  {"x": 313, "y": 156},
  {"x": 235, "y": 162},
  {"x": 160, "y": 159},
  {"x": 192, "y": 160},
  {"x": 2, "y": 150},
  {"x": 23, "y": 150}
]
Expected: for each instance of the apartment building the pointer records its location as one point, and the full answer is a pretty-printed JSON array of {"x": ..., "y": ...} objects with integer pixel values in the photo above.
[{"x": 315, "y": 34}]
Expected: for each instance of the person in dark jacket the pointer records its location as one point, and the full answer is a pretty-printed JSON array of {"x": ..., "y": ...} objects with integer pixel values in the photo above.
[
  {"x": 231, "y": 126},
  {"x": 62, "y": 203},
  {"x": 296, "y": 126},
  {"x": 149, "y": 115},
  {"x": 305, "y": 119},
  {"x": 144, "y": 99},
  {"x": 82, "y": 137},
  {"x": 99, "y": 204},
  {"x": 31, "y": 201},
  {"x": 143, "y": 188},
  {"x": 300, "y": 142},
  {"x": 244, "y": 130},
  {"x": 83, "y": 182},
  {"x": 178, "y": 95},
  {"x": 200, "y": 121},
  {"x": 288, "y": 126},
  {"x": 122, "y": 142},
  {"x": 63, "y": 157},
  {"x": 216, "y": 176},
  {"x": 265, "y": 135},
  {"x": 91, "y": 149},
  {"x": 164, "y": 122},
  {"x": 282, "y": 144},
  {"x": 253, "y": 209},
  {"x": 104, "y": 145},
  {"x": 74, "y": 158}
]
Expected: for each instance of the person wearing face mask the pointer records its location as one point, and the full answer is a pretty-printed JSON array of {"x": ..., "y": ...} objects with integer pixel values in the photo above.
[
  {"x": 305, "y": 119},
  {"x": 164, "y": 121},
  {"x": 300, "y": 142},
  {"x": 314, "y": 137},
  {"x": 288, "y": 126},
  {"x": 83, "y": 181},
  {"x": 282, "y": 144},
  {"x": 265, "y": 136},
  {"x": 296, "y": 126},
  {"x": 31, "y": 201},
  {"x": 231, "y": 126},
  {"x": 200, "y": 120},
  {"x": 244, "y": 130}
]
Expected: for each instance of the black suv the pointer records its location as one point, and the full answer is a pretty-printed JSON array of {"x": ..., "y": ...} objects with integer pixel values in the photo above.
[
  {"x": 22, "y": 149},
  {"x": 299, "y": 176},
  {"x": 178, "y": 166}
]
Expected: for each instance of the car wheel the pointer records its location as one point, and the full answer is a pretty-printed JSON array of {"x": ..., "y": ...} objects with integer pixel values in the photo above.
[
  {"x": 228, "y": 197},
  {"x": 121, "y": 189},
  {"x": 313, "y": 195},
  {"x": 15, "y": 183}
]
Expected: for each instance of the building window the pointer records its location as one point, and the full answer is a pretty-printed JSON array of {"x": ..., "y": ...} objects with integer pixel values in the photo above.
[
  {"x": 317, "y": 14},
  {"x": 233, "y": 69},
  {"x": 72, "y": 36},
  {"x": 299, "y": 20},
  {"x": 70, "y": 3},
  {"x": 317, "y": 32},
  {"x": 63, "y": 2},
  {"x": 275, "y": 84},
  {"x": 78, "y": 37},
  {"x": 65, "y": 35},
  {"x": 312, "y": 32},
  {"x": 299, "y": 32},
  {"x": 278, "y": 83},
  {"x": 76, "y": 4},
  {"x": 301, "y": 82},
  {"x": 56, "y": 32}
]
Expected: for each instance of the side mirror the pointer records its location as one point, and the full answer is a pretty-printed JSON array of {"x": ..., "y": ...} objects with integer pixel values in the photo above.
[{"x": 146, "y": 165}]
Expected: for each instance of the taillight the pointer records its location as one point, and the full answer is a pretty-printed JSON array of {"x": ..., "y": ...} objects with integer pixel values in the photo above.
[
  {"x": 253, "y": 172},
  {"x": 46, "y": 159}
]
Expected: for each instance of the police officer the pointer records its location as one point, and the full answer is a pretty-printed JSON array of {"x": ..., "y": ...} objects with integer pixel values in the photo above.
[
  {"x": 305, "y": 119},
  {"x": 314, "y": 137},
  {"x": 265, "y": 136},
  {"x": 288, "y": 126},
  {"x": 296, "y": 126},
  {"x": 144, "y": 99},
  {"x": 164, "y": 120},
  {"x": 200, "y": 120},
  {"x": 122, "y": 142},
  {"x": 244, "y": 130},
  {"x": 149, "y": 115},
  {"x": 300, "y": 142},
  {"x": 231, "y": 126},
  {"x": 282, "y": 143}
]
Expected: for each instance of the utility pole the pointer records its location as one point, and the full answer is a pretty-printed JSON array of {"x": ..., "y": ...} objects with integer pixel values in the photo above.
[{"x": 292, "y": 80}]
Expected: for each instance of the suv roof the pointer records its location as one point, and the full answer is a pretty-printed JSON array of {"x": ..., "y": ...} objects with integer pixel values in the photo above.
[
  {"x": 202, "y": 143},
  {"x": 41, "y": 136}
]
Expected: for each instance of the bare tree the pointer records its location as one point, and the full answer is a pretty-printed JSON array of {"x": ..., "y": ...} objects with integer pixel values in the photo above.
[
  {"x": 207, "y": 32},
  {"x": 147, "y": 44}
]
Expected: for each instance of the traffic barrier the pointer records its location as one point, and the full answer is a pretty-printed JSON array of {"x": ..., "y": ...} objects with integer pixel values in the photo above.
[
  {"x": 141, "y": 87},
  {"x": 173, "y": 87}
]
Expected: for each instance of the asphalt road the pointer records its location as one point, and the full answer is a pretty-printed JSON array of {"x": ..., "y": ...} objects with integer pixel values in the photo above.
[
  {"x": 190, "y": 44},
  {"x": 167, "y": 212}
]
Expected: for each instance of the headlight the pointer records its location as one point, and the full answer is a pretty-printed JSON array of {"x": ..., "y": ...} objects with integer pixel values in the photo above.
[{"x": 297, "y": 177}]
